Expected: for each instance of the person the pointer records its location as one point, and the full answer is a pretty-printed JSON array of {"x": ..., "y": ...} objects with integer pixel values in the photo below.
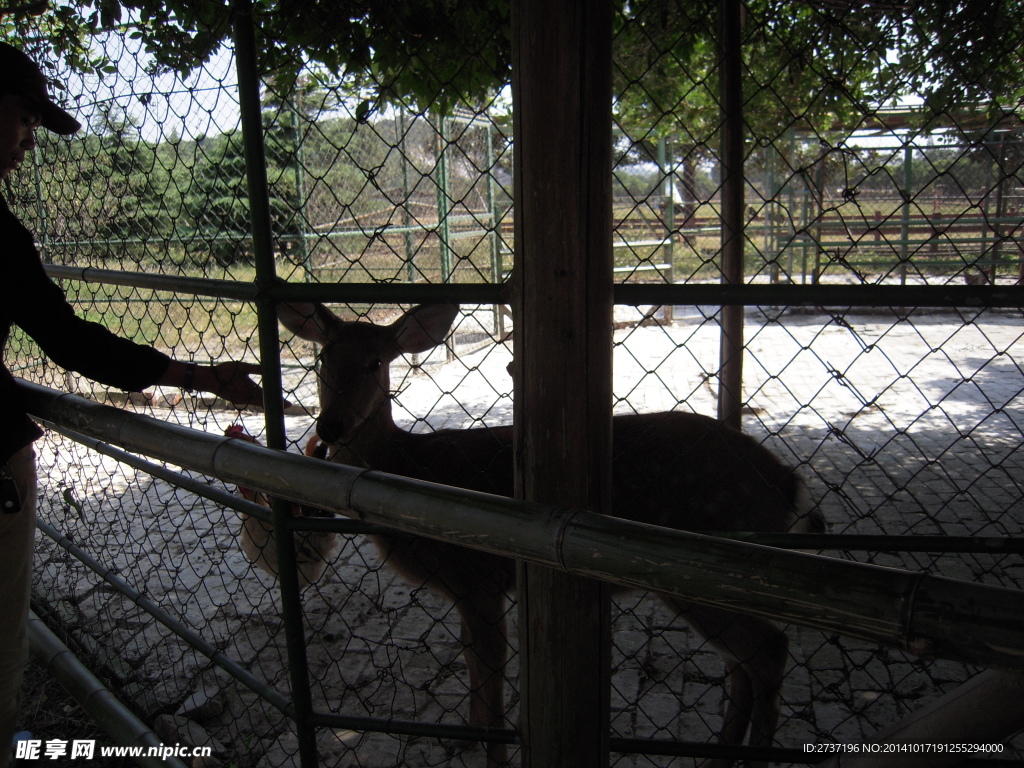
[{"x": 31, "y": 301}]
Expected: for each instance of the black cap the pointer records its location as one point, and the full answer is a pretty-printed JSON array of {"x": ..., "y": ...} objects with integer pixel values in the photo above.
[{"x": 19, "y": 74}]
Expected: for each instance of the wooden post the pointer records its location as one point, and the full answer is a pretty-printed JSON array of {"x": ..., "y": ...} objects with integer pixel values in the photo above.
[{"x": 561, "y": 88}]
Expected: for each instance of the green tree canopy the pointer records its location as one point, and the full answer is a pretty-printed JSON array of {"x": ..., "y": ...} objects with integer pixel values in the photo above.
[{"x": 812, "y": 59}]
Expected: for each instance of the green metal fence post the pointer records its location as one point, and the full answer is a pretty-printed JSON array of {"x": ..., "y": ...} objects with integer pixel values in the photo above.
[
  {"x": 668, "y": 213},
  {"x": 497, "y": 268},
  {"x": 44, "y": 228},
  {"x": 410, "y": 270},
  {"x": 730, "y": 392},
  {"x": 770, "y": 240},
  {"x": 259, "y": 208},
  {"x": 805, "y": 218},
  {"x": 998, "y": 230},
  {"x": 908, "y": 180},
  {"x": 443, "y": 201},
  {"x": 298, "y": 166},
  {"x": 791, "y": 205},
  {"x": 819, "y": 233}
]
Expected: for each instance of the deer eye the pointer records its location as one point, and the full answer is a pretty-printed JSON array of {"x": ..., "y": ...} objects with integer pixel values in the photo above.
[{"x": 374, "y": 366}]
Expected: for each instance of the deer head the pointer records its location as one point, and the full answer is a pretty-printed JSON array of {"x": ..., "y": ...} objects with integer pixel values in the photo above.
[{"x": 354, "y": 378}]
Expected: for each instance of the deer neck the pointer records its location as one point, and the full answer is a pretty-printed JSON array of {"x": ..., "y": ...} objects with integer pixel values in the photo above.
[{"x": 371, "y": 443}]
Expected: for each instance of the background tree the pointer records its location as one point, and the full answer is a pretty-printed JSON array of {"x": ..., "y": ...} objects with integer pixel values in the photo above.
[{"x": 820, "y": 67}]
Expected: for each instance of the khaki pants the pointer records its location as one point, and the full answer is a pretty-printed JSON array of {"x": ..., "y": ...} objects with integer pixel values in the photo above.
[{"x": 17, "y": 537}]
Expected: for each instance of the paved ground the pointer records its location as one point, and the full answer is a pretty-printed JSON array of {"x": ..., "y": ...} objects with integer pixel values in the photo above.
[{"x": 899, "y": 428}]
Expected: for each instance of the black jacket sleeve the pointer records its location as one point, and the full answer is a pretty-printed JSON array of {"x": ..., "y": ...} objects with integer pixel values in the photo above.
[{"x": 34, "y": 303}]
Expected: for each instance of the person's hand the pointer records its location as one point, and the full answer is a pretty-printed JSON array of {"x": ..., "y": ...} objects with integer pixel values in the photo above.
[{"x": 231, "y": 381}]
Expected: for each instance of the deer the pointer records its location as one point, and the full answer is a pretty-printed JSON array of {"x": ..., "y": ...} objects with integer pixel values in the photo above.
[
  {"x": 676, "y": 469},
  {"x": 314, "y": 550}
]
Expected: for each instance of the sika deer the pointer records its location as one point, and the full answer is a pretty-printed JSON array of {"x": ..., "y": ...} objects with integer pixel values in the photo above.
[
  {"x": 671, "y": 469},
  {"x": 314, "y": 550}
]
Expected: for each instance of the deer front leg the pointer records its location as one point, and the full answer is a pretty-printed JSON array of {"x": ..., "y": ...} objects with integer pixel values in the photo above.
[
  {"x": 485, "y": 646},
  {"x": 754, "y": 651}
]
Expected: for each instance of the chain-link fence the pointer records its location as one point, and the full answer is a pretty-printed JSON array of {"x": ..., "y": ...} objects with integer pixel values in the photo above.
[{"x": 904, "y": 420}]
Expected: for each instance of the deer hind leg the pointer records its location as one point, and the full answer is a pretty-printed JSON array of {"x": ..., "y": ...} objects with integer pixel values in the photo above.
[
  {"x": 754, "y": 651},
  {"x": 485, "y": 644}
]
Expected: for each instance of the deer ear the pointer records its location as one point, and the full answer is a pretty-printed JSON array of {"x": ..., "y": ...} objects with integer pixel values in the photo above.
[
  {"x": 423, "y": 327},
  {"x": 307, "y": 321}
]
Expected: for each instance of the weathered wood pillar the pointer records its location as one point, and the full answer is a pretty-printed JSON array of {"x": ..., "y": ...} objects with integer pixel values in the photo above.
[{"x": 562, "y": 326}]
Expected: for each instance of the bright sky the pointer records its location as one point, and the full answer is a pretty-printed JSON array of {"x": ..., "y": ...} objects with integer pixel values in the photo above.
[{"x": 162, "y": 106}]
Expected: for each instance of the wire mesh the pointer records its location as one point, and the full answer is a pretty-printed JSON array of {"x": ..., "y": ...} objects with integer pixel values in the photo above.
[{"x": 903, "y": 421}]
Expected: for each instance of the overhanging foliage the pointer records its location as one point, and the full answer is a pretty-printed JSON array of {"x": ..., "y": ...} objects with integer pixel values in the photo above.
[{"x": 436, "y": 53}]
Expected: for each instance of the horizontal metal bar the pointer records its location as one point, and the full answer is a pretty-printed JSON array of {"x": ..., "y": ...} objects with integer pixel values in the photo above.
[
  {"x": 393, "y": 293},
  {"x": 847, "y": 542},
  {"x": 927, "y": 615},
  {"x": 709, "y": 294},
  {"x": 666, "y": 748},
  {"x": 895, "y": 222},
  {"x": 661, "y": 747},
  {"x": 939, "y": 238},
  {"x": 155, "y": 243},
  {"x": 414, "y": 728},
  {"x": 199, "y": 286},
  {"x": 377, "y": 232},
  {"x": 907, "y": 297},
  {"x": 194, "y": 641},
  {"x": 893, "y": 260}
]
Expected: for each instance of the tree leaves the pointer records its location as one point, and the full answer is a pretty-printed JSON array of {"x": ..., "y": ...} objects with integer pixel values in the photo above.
[{"x": 818, "y": 62}]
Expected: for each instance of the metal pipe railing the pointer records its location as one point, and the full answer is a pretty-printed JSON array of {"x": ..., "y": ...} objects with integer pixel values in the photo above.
[
  {"x": 219, "y": 495},
  {"x": 841, "y": 542},
  {"x": 876, "y": 542},
  {"x": 921, "y": 613},
  {"x": 119, "y": 722},
  {"x": 191, "y": 638}
]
